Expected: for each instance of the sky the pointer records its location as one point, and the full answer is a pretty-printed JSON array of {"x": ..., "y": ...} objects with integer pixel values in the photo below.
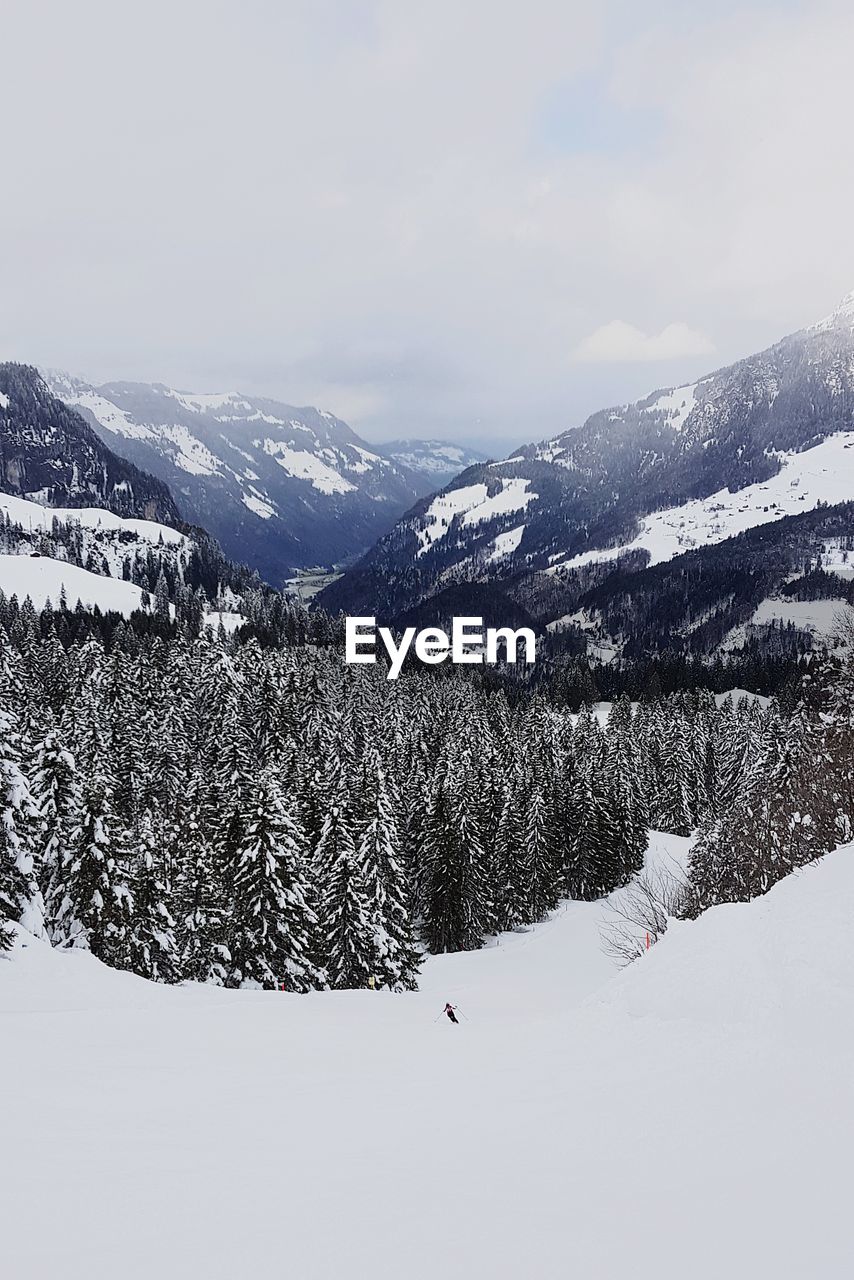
[{"x": 459, "y": 219}]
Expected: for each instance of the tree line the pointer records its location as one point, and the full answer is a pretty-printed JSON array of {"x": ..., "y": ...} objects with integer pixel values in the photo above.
[{"x": 204, "y": 808}]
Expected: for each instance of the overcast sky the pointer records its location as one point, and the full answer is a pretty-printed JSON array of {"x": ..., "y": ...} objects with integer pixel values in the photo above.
[{"x": 473, "y": 219}]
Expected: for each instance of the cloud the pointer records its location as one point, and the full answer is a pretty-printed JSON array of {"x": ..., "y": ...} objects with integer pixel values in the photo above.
[
  {"x": 622, "y": 343},
  {"x": 414, "y": 213}
]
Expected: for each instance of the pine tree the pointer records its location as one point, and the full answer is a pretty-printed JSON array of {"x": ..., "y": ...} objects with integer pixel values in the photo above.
[
  {"x": 97, "y": 905},
  {"x": 20, "y": 899},
  {"x": 396, "y": 958},
  {"x": 510, "y": 901},
  {"x": 347, "y": 930},
  {"x": 56, "y": 795},
  {"x": 594, "y": 863},
  {"x": 676, "y": 808},
  {"x": 151, "y": 940},
  {"x": 539, "y": 860},
  {"x": 201, "y": 906},
  {"x": 271, "y": 929},
  {"x": 456, "y": 900}
]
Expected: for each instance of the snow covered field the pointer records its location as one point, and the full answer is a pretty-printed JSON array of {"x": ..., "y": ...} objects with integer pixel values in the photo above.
[
  {"x": 43, "y": 579},
  {"x": 688, "y": 1117},
  {"x": 33, "y": 516},
  {"x": 823, "y": 617}
]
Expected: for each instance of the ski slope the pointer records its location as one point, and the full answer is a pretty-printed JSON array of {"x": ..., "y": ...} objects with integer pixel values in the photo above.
[{"x": 690, "y": 1116}]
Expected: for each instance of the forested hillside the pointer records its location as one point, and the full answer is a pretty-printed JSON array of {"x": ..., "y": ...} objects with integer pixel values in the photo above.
[{"x": 208, "y": 808}]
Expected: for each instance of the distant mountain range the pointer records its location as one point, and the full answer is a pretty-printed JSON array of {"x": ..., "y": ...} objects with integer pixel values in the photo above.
[
  {"x": 281, "y": 488},
  {"x": 688, "y": 467},
  {"x": 689, "y": 520},
  {"x": 433, "y": 462}
]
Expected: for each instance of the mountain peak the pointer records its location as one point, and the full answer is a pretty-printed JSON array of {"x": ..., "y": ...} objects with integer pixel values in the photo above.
[{"x": 842, "y": 316}]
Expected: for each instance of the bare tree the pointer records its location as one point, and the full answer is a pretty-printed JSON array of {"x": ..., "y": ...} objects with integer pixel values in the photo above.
[
  {"x": 639, "y": 914},
  {"x": 843, "y": 629}
]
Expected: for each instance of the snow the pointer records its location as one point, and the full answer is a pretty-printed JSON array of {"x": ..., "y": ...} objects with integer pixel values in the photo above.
[
  {"x": 366, "y": 461},
  {"x": 109, "y": 415},
  {"x": 257, "y": 504},
  {"x": 33, "y": 516},
  {"x": 42, "y": 579},
  {"x": 474, "y": 504},
  {"x": 257, "y": 416},
  {"x": 513, "y": 496},
  {"x": 4, "y": 400},
  {"x": 822, "y": 474},
  {"x": 550, "y": 451},
  {"x": 205, "y": 403},
  {"x": 591, "y": 557},
  {"x": 675, "y": 405},
  {"x": 841, "y": 317},
  {"x": 837, "y": 558},
  {"x": 689, "y": 1116},
  {"x": 506, "y": 543},
  {"x": 432, "y": 457},
  {"x": 306, "y": 466},
  {"x": 819, "y": 616},
  {"x": 192, "y": 456},
  {"x": 228, "y": 621},
  {"x": 739, "y": 695},
  {"x": 444, "y": 508}
]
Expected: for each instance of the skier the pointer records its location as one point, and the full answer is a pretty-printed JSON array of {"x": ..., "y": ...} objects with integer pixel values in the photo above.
[{"x": 449, "y": 1010}]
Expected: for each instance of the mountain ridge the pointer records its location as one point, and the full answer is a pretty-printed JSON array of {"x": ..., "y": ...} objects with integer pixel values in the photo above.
[
  {"x": 588, "y": 491},
  {"x": 50, "y": 453},
  {"x": 282, "y": 488}
]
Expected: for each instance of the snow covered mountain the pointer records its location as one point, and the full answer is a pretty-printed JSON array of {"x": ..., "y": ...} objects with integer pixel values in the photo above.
[
  {"x": 48, "y": 453},
  {"x": 80, "y": 525},
  {"x": 281, "y": 488},
  {"x": 768, "y": 437},
  {"x": 435, "y": 463}
]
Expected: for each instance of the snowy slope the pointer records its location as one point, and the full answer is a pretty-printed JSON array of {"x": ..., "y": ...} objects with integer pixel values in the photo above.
[
  {"x": 824, "y": 474},
  {"x": 33, "y": 516},
  {"x": 113, "y": 541},
  {"x": 820, "y": 616},
  {"x": 474, "y": 505},
  {"x": 691, "y": 1116},
  {"x": 280, "y": 487},
  {"x": 43, "y": 579}
]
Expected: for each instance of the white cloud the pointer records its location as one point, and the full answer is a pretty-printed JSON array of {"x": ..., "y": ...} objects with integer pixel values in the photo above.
[{"x": 622, "y": 343}]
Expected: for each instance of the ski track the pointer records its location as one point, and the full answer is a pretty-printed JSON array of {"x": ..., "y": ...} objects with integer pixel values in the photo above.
[{"x": 688, "y": 1117}]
